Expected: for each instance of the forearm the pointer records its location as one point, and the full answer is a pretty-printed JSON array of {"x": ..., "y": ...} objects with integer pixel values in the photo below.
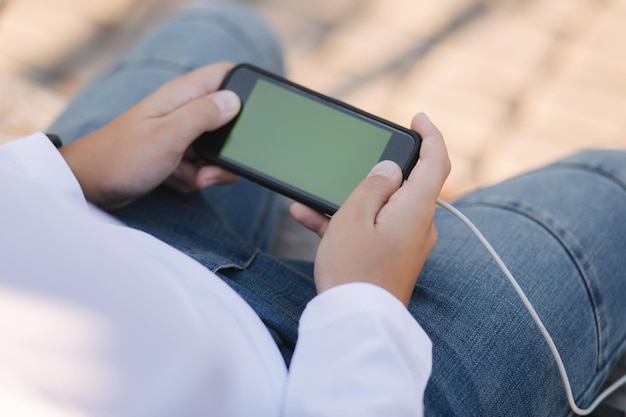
[{"x": 93, "y": 166}]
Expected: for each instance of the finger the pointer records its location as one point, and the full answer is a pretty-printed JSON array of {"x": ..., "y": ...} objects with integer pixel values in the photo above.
[
  {"x": 202, "y": 115},
  {"x": 309, "y": 218},
  {"x": 434, "y": 164},
  {"x": 373, "y": 192},
  {"x": 183, "y": 178},
  {"x": 184, "y": 89},
  {"x": 210, "y": 175},
  {"x": 179, "y": 186},
  {"x": 413, "y": 206}
]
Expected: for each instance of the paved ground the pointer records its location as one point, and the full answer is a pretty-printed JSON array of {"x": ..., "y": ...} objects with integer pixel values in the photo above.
[{"x": 511, "y": 83}]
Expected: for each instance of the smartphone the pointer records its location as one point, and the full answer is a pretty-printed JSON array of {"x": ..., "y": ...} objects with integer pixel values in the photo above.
[{"x": 302, "y": 144}]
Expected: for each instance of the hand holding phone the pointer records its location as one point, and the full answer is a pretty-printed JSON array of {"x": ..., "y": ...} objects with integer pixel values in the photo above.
[
  {"x": 300, "y": 143},
  {"x": 383, "y": 233},
  {"x": 147, "y": 145}
]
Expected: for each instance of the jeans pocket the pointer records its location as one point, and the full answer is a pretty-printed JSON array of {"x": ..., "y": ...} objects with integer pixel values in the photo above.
[{"x": 239, "y": 259}]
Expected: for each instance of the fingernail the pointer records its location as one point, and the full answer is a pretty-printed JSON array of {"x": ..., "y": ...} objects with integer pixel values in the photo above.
[
  {"x": 384, "y": 168},
  {"x": 226, "y": 101}
]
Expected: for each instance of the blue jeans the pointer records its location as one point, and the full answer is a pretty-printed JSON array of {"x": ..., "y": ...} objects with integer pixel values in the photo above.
[{"x": 561, "y": 230}]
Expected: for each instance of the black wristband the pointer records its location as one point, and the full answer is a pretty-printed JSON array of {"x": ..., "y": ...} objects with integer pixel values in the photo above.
[{"x": 55, "y": 139}]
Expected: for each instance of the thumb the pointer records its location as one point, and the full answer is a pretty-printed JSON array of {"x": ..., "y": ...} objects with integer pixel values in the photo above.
[
  {"x": 215, "y": 110},
  {"x": 374, "y": 191},
  {"x": 204, "y": 114},
  {"x": 386, "y": 169},
  {"x": 227, "y": 102}
]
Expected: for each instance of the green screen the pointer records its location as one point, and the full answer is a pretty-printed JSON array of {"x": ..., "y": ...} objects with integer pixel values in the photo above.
[{"x": 304, "y": 143}]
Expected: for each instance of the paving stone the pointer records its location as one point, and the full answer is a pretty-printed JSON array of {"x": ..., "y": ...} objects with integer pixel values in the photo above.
[
  {"x": 32, "y": 105},
  {"x": 462, "y": 179},
  {"x": 568, "y": 19},
  {"x": 617, "y": 6},
  {"x": 377, "y": 97},
  {"x": 96, "y": 11},
  {"x": 467, "y": 118},
  {"x": 41, "y": 35},
  {"x": 418, "y": 17},
  {"x": 505, "y": 41},
  {"x": 461, "y": 69},
  {"x": 363, "y": 46},
  {"x": 298, "y": 34},
  {"x": 516, "y": 153},
  {"x": 599, "y": 73},
  {"x": 311, "y": 72},
  {"x": 8, "y": 65},
  {"x": 607, "y": 37},
  {"x": 577, "y": 116},
  {"x": 330, "y": 12}
]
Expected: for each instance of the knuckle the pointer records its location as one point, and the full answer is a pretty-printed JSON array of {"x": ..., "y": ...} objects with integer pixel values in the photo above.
[{"x": 376, "y": 183}]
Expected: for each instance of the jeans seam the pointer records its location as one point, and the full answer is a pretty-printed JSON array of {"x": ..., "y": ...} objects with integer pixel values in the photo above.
[
  {"x": 231, "y": 29},
  {"x": 592, "y": 169},
  {"x": 241, "y": 266},
  {"x": 609, "y": 175},
  {"x": 544, "y": 221},
  {"x": 225, "y": 261}
]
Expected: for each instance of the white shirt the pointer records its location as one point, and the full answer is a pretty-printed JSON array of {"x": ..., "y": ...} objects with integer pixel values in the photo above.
[{"x": 97, "y": 319}]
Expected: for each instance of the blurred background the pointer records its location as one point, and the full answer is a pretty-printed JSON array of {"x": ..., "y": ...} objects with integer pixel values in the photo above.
[{"x": 512, "y": 84}]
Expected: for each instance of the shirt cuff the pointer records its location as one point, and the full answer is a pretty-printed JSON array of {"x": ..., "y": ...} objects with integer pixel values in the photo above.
[
  {"x": 35, "y": 157},
  {"x": 343, "y": 301},
  {"x": 359, "y": 352}
]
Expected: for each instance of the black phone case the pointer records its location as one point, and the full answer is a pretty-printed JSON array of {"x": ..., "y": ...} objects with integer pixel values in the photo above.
[{"x": 209, "y": 144}]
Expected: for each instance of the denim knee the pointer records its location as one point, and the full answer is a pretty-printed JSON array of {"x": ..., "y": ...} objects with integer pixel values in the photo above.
[
  {"x": 248, "y": 26},
  {"x": 610, "y": 163}
]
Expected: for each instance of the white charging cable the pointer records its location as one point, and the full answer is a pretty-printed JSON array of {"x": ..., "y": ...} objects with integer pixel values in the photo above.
[{"x": 555, "y": 353}]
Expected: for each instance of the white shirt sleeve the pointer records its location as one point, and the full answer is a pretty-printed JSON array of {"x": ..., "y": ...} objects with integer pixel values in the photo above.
[
  {"x": 35, "y": 157},
  {"x": 99, "y": 319},
  {"x": 359, "y": 353}
]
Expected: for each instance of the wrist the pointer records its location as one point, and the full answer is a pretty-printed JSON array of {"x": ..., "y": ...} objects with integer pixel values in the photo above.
[{"x": 84, "y": 169}]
